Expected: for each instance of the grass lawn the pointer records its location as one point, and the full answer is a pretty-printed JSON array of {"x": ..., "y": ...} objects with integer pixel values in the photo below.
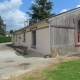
[{"x": 62, "y": 71}]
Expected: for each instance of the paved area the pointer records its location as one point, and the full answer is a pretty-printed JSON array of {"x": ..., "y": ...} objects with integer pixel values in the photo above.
[
  {"x": 2, "y": 44},
  {"x": 13, "y": 64}
]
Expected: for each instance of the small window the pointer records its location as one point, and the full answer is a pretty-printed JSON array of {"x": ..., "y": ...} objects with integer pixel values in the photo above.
[
  {"x": 79, "y": 31},
  {"x": 24, "y": 38},
  {"x": 33, "y": 38}
]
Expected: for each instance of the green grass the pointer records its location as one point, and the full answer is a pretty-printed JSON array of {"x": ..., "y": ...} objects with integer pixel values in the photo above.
[
  {"x": 5, "y": 39},
  {"x": 61, "y": 71},
  {"x": 66, "y": 71}
]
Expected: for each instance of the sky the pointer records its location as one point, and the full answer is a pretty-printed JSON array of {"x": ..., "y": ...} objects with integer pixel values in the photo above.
[{"x": 13, "y": 12}]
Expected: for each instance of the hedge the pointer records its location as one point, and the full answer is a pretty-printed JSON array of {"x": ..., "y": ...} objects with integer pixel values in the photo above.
[{"x": 5, "y": 39}]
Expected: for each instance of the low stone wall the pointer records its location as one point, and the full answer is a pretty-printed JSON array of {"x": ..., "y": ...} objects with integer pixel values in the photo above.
[{"x": 63, "y": 50}]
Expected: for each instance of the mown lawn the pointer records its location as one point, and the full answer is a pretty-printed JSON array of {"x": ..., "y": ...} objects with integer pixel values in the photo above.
[{"x": 62, "y": 71}]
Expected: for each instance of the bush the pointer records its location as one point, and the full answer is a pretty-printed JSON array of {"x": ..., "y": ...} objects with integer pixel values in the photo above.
[{"x": 5, "y": 39}]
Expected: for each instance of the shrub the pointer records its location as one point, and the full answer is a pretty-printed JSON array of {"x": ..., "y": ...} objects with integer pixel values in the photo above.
[{"x": 5, "y": 39}]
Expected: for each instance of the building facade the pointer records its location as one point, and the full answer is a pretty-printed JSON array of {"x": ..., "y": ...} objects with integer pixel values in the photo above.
[
  {"x": 35, "y": 37},
  {"x": 59, "y": 35}
]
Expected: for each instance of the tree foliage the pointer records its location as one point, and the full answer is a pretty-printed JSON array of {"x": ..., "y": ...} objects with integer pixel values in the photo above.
[
  {"x": 11, "y": 31},
  {"x": 40, "y": 10},
  {"x": 2, "y": 27}
]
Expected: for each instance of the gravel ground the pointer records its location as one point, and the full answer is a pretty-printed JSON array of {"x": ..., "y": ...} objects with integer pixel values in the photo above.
[
  {"x": 12, "y": 64},
  {"x": 2, "y": 44}
]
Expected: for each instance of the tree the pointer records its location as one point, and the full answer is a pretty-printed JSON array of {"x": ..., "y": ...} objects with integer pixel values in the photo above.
[
  {"x": 2, "y": 27},
  {"x": 11, "y": 31},
  {"x": 40, "y": 10}
]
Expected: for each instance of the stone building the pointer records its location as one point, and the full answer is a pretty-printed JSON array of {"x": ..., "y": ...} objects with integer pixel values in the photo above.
[{"x": 59, "y": 35}]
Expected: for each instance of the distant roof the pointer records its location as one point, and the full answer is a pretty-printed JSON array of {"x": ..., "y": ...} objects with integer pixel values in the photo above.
[
  {"x": 29, "y": 25},
  {"x": 53, "y": 16},
  {"x": 69, "y": 10},
  {"x": 7, "y": 33},
  {"x": 74, "y": 9}
]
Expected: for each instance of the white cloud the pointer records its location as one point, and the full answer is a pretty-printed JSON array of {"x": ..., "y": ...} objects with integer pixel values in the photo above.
[
  {"x": 13, "y": 20},
  {"x": 78, "y": 5},
  {"x": 64, "y": 10},
  {"x": 32, "y": 2}
]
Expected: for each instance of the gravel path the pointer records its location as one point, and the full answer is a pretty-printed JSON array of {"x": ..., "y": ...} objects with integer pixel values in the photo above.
[
  {"x": 13, "y": 64},
  {"x": 2, "y": 44}
]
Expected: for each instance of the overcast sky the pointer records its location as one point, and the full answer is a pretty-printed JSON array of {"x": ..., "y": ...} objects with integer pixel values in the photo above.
[{"x": 13, "y": 12}]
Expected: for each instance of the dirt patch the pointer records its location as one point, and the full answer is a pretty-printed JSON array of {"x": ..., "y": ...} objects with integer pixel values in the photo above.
[
  {"x": 9, "y": 61},
  {"x": 24, "y": 65},
  {"x": 75, "y": 55},
  {"x": 65, "y": 58},
  {"x": 38, "y": 72},
  {"x": 5, "y": 48},
  {"x": 60, "y": 59}
]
